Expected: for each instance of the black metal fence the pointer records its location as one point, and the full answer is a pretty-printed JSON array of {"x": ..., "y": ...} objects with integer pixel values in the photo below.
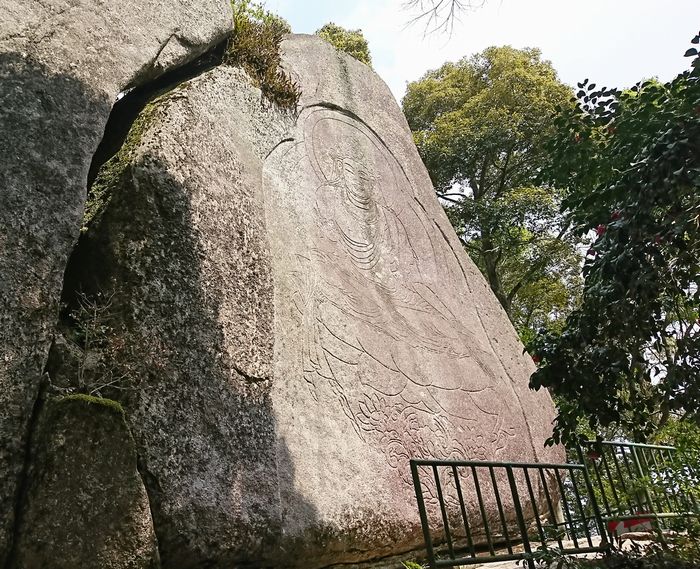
[
  {"x": 475, "y": 512},
  {"x": 639, "y": 485}
]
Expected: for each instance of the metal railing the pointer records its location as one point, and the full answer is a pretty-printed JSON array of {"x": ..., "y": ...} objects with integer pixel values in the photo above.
[
  {"x": 639, "y": 483},
  {"x": 476, "y": 512},
  {"x": 479, "y": 512}
]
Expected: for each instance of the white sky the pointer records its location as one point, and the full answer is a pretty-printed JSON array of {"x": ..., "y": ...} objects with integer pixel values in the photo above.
[{"x": 612, "y": 42}]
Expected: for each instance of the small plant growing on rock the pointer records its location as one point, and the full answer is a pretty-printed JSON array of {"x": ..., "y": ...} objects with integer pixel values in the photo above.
[
  {"x": 96, "y": 368},
  {"x": 351, "y": 42},
  {"x": 95, "y": 355}
]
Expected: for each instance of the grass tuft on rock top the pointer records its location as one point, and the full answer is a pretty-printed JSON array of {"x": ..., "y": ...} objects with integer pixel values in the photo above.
[{"x": 255, "y": 46}]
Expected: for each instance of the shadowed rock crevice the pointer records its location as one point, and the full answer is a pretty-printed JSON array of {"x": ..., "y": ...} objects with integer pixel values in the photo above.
[
  {"x": 127, "y": 107},
  {"x": 23, "y": 486},
  {"x": 125, "y": 112}
]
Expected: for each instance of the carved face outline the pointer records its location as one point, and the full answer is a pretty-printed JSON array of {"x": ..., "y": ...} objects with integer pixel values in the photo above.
[
  {"x": 357, "y": 181},
  {"x": 356, "y": 159}
]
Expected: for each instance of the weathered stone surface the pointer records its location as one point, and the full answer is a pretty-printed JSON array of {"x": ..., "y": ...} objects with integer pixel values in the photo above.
[
  {"x": 304, "y": 320},
  {"x": 388, "y": 342},
  {"x": 112, "y": 45},
  {"x": 62, "y": 63},
  {"x": 182, "y": 245},
  {"x": 85, "y": 504}
]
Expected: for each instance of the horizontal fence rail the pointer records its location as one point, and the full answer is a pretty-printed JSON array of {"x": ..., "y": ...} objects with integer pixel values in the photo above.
[{"x": 478, "y": 512}]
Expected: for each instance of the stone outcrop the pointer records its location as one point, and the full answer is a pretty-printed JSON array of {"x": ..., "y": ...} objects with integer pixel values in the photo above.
[
  {"x": 181, "y": 247},
  {"x": 387, "y": 336},
  {"x": 85, "y": 504},
  {"x": 62, "y": 64},
  {"x": 299, "y": 317}
]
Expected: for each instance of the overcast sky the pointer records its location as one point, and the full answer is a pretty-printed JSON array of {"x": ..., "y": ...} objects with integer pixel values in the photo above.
[{"x": 612, "y": 42}]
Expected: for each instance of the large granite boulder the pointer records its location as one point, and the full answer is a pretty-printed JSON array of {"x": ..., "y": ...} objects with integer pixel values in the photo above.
[
  {"x": 62, "y": 64},
  {"x": 181, "y": 250},
  {"x": 301, "y": 320},
  {"x": 387, "y": 336},
  {"x": 85, "y": 504}
]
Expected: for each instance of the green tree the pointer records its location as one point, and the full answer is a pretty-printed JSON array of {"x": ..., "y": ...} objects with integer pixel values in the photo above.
[
  {"x": 629, "y": 355},
  {"x": 480, "y": 125},
  {"x": 350, "y": 41}
]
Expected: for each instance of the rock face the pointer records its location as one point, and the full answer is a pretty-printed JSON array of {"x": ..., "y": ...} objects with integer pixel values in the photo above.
[
  {"x": 301, "y": 320},
  {"x": 85, "y": 505},
  {"x": 388, "y": 342},
  {"x": 62, "y": 63},
  {"x": 182, "y": 248}
]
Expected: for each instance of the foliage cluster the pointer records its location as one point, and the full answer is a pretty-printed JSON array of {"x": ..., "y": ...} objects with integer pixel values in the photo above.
[
  {"x": 684, "y": 467},
  {"x": 481, "y": 125},
  {"x": 351, "y": 42},
  {"x": 254, "y": 46},
  {"x": 636, "y": 558},
  {"x": 629, "y": 355}
]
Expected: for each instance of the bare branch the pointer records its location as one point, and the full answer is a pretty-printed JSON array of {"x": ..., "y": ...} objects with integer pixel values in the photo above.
[
  {"x": 449, "y": 199},
  {"x": 439, "y": 15}
]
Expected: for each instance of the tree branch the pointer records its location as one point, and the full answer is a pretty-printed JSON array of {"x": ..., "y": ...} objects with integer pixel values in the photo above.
[
  {"x": 502, "y": 182},
  {"x": 441, "y": 13},
  {"x": 448, "y": 199}
]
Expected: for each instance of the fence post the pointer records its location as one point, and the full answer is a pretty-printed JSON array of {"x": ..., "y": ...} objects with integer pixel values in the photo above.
[
  {"x": 594, "y": 502},
  {"x": 423, "y": 514},
  {"x": 520, "y": 516},
  {"x": 647, "y": 497}
]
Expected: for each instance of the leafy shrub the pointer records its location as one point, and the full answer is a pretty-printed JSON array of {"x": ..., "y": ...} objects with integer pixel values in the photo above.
[
  {"x": 629, "y": 354},
  {"x": 351, "y": 42},
  {"x": 635, "y": 558},
  {"x": 254, "y": 46}
]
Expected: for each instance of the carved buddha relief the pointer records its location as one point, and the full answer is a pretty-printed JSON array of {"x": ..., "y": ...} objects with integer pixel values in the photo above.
[{"x": 379, "y": 325}]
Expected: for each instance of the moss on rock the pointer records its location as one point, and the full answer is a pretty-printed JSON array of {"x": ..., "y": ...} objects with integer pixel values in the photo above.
[
  {"x": 113, "y": 171},
  {"x": 92, "y": 400}
]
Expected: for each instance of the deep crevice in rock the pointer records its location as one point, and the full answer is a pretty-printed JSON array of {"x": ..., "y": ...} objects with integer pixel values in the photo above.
[
  {"x": 23, "y": 486},
  {"x": 122, "y": 117},
  {"x": 150, "y": 483},
  {"x": 81, "y": 273},
  {"x": 127, "y": 108}
]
